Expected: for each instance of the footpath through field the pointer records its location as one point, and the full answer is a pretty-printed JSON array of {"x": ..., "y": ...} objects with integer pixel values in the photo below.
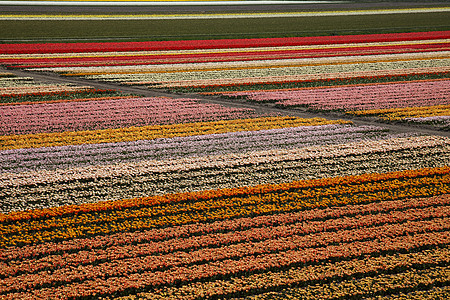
[{"x": 48, "y": 77}]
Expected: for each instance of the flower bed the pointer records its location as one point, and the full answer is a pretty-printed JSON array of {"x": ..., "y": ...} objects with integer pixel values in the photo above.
[{"x": 113, "y": 196}]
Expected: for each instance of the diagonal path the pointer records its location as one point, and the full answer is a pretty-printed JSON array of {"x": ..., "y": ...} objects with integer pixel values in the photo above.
[{"x": 140, "y": 90}]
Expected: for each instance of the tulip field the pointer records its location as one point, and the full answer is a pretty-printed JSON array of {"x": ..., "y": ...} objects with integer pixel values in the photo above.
[
  {"x": 225, "y": 185},
  {"x": 405, "y": 76}
]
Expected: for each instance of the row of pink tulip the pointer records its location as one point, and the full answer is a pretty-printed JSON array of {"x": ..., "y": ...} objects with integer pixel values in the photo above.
[
  {"x": 114, "y": 113},
  {"x": 374, "y": 96}
]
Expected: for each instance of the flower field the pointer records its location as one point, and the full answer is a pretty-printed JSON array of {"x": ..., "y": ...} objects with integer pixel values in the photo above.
[
  {"x": 281, "y": 71},
  {"x": 111, "y": 195}
]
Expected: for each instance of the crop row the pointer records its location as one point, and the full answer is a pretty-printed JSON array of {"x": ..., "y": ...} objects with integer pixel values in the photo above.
[
  {"x": 126, "y": 58},
  {"x": 328, "y": 274},
  {"x": 154, "y": 132},
  {"x": 407, "y": 112},
  {"x": 21, "y": 88},
  {"x": 440, "y": 122},
  {"x": 219, "y": 239},
  {"x": 243, "y": 65},
  {"x": 296, "y": 80},
  {"x": 362, "y": 97},
  {"x": 31, "y": 258},
  {"x": 59, "y": 97},
  {"x": 145, "y": 258},
  {"x": 173, "y": 79},
  {"x": 146, "y": 261},
  {"x": 215, "y": 44},
  {"x": 279, "y": 254},
  {"x": 114, "y": 113},
  {"x": 46, "y": 188},
  {"x": 213, "y": 205},
  {"x": 380, "y": 284},
  {"x": 21, "y": 160},
  {"x": 6, "y": 74}
]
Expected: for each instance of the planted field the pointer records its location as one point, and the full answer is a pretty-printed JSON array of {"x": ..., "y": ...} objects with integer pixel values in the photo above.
[
  {"x": 393, "y": 77},
  {"x": 106, "y": 195}
]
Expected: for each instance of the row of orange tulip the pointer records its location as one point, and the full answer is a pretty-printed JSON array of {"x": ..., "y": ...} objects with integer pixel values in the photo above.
[
  {"x": 34, "y": 257},
  {"x": 326, "y": 275},
  {"x": 159, "y": 211},
  {"x": 104, "y": 282}
]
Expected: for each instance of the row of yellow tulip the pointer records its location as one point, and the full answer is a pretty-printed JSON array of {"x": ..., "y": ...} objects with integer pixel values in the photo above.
[
  {"x": 403, "y": 113},
  {"x": 154, "y": 132}
]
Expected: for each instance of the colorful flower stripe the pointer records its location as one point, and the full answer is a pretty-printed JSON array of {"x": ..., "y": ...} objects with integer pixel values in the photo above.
[
  {"x": 144, "y": 58},
  {"x": 105, "y": 280},
  {"x": 244, "y": 65},
  {"x": 440, "y": 122},
  {"x": 48, "y": 158},
  {"x": 429, "y": 294},
  {"x": 383, "y": 284},
  {"x": 417, "y": 44},
  {"x": 11, "y": 81},
  {"x": 329, "y": 272},
  {"x": 44, "y": 189},
  {"x": 57, "y": 96},
  {"x": 70, "y": 222},
  {"x": 6, "y": 75},
  {"x": 229, "y": 90},
  {"x": 284, "y": 79},
  {"x": 407, "y": 112},
  {"x": 153, "y": 132},
  {"x": 217, "y": 44},
  {"x": 32, "y": 257},
  {"x": 37, "y": 99},
  {"x": 346, "y": 70},
  {"x": 114, "y": 113},
  {"x": 166, "y": 257},
  {"x": 364, "y": 97},
  {"x": 32, "y": 88},
  {"x": 376, "y": 80}
]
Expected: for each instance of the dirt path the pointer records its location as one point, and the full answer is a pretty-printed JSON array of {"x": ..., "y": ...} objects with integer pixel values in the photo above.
[{"x": 55, "y": 78}]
